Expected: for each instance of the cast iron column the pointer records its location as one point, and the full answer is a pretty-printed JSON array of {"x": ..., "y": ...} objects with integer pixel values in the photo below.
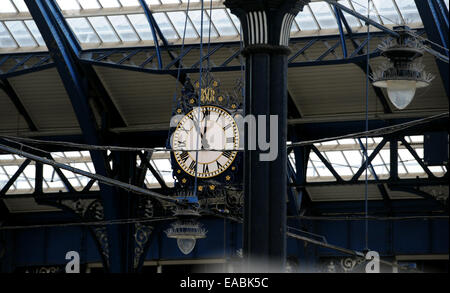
[{"x": 266, "y": 27}]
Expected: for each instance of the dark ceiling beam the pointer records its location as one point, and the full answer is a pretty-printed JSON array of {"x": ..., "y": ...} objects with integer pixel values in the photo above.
[
  {"x": 152, "y": 23},
  {"x": 105, "y": 107},
  {"x": 437, "y": 31},
  {"x": 9, "y": 91},
  {"x": 363, "y": 63},
  {"x": 293, "y": 111},
  {"x": 48, "y": 20}
]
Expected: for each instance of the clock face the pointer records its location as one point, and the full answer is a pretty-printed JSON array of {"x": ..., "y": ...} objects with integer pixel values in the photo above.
[{"x": 210, "y": 130}]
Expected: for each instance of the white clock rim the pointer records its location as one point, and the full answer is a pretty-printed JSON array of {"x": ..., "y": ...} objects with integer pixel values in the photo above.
[{"x": 229, "y": 161}]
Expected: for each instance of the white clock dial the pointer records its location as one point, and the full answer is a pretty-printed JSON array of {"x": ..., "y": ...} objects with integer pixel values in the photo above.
[{"x": 210, "y": 130}]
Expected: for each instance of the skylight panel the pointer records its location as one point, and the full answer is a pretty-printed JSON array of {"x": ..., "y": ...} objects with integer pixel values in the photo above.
[
  {"x": 322, "y": 12},
  {"x": 68, "y": 4},
  {"x": 195, "y": 16},
  {"x": 222, "y": 22},
  {"x": 235, "y": 19},
  {"x": 123, "y": 28},
  {"x": 165, "y": 26},
  {"x": 416, "y": 138},
  {"x": 7, "y": 7},
  {"x": 104, "y": 29},
  {"x": 153, "y": 2},
  {"x": 22, "y": 183},
  {"x": 178, "y": 20},
  {"x": 360, "y": 6},
  {"x": 6, "y": 40},
  {"x": 83, "y": 30},
  {"x": 29, "y": 174},
  {"x": 409, "y": 11},
  {"x": 20, "y": 4},
  {"x": 378, "y": 165},
  {"x": 109, "y": 3},
  {"x": 141, "y": 25},
  {"x": 339, "y": 163},
  {"x": 164, "y": 168},
  {"x": 351, "y": 20},
  {"x": 354, "y": 158},
  {"x": 20, "y": 33},
  {"x": 35, "y": 31},
  {"x": 6, "y": 157},
  {"x": 52, "y": 178},
  {"x": 412, "y": 166},
  {"x": 347, "y": 141},
  {"x": 89, "y": 4},
  {"x": 386, "y": 156},
  {"x": 387, "y": 12},
  {"x": 320, "y": 167},
  {"x": 127, "y": 3},
  {"x": 170, "y": 1},
  {"x": 3, "y": 178},
  {"x": 305, "y": 20}
]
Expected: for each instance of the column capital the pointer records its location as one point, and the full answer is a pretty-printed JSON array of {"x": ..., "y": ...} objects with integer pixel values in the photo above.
[{"x": 266, "y": 24}]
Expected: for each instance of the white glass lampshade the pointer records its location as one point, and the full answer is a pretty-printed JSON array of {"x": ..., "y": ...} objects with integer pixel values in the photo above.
[{"x": 401, "y": 92}]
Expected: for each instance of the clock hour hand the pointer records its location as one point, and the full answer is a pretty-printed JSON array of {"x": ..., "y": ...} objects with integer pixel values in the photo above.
[{"x": 205, "y": 144}]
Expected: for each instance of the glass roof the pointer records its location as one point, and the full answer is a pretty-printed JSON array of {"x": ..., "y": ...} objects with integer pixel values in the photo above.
[
  {"x": 344, "y": 155},
  {"x": 109, "y": 23},
  {"x": 52, "y": 183}
]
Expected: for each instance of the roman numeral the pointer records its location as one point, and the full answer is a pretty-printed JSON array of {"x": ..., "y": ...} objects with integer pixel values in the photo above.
[
  {"x": 231, "y": 139},
  {"x": 206, "y": 112},
  {"x": 193, "y": 165},
  {"x": 205, "y": 168},
  {"x": 218, "y": 165},
  {"x": 184, "y": 156},
  {"x": 227, "y": 126},
  {"x": 181, "y": 144},
  {"x": 227, "y": 154}
]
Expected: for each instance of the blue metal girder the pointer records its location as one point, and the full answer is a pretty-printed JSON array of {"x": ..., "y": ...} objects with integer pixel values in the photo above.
[
  {"x": 359, "y": 49},
  {"x": 381, "y": 188},
  {"x": 327, "y": 164},
  {"x": 341, "y": 31},
  {"x": 363, "y": 18},
  {"x": 48, "y": 20},
  {"x": 24, "y": 63},
  {"x": 94, "y": 85},
  {"x": 9, "y": 91},
  {"x": 102, "y": 57},
  {"x": 152, "y": 24},
  {"x": 51, "y": 244},
  {"x": 433, "y": 18}
]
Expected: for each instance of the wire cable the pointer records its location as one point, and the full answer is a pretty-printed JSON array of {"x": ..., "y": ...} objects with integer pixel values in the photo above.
[
  {"x": 371, "y": 133},
  {"x": 366, "y": 173},
  {"x": 372, "y": 218},
  {"x": 90, "y": 223},
  {"x": 199, "y": 97},
  {"x": 181, "y": 54}
]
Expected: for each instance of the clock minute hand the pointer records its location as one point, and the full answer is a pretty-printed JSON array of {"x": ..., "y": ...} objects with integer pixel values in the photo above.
[{"x": 204, "y": 140}]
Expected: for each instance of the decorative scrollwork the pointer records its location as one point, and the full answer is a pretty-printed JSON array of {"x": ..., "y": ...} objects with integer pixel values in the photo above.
[
  {"x": 102, "y": 238},
  {"x": 141, "y": 237}
]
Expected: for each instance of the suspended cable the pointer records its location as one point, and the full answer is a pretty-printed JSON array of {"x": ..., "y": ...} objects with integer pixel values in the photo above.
[
  {"x": 372, "y": 218},
  {"x": 371, "y": 133},
  {"x": 366, "y": 179},
  {"x": 181, "y": 54},
  {"x": 199, "y": 98},
  {"x": 347, "y": 251},
  {"x": 90, "y": 223}
]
